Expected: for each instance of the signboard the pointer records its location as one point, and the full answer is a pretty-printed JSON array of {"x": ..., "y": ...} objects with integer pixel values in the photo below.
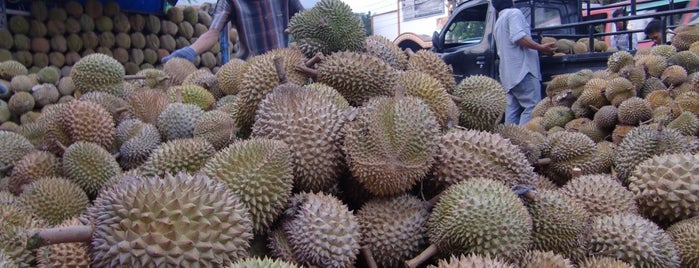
[{"x": 415, "y": 9}]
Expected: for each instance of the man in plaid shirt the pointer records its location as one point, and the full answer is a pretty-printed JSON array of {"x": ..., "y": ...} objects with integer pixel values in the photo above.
[{"x": 260, "y": 25}]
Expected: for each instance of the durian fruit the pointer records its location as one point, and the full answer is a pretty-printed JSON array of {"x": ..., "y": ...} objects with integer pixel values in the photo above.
[
  {"x": 18, "y": 24},
  {"x": 618, "y": 90},
  {"x": 15, "y": 220},
  {"x": 465, "y": 154},
  {"x": 137, "y": 140},
  {"x": 472, "y": 261},
  {"x": 633, "y": 111},
  {"x": 7, "y": 39},
  {"x": 605, "y": 153},
  {"x": 21, "y": 102},
  {"x": 600, "y": 194},
  {"x": 64, "y": 254},
  {"x": 79, "y": 121},
  {"x": 117, "y": 107},
  {"x": 620, "y": 132},
  {"x": 393, "y": 229},
  {"x": 644, "y": 142},
  {"x": 618, "y": 60},
  {"x": 689, "y": 101},
  {"x": 603, "y": 262},
  {"x": 684, "y": 36},
  {"x": 166, "y": 214},
  {"x": 568, "y": 150},
  {"x": 428, "y": 62},
  {"x": 147, "y": 105},
  {"x": 155, "y": 79},
  {"x": 687, "y": 59},
  {"x": 529, "y": 142},
  {"x": 653, "y": 64},
  {"x": 659, "y": 98},
  {"x": 54, "y": 199},
  {"x": 261, "y": 78},
  {"x": 664, "y": 186},
  {"x": 549, "y": 259},
  {"x": 45, "y": 94},
  {"x": 331, "y": 243},
  {"x": 216, "y": 127},
  {"x": 557, "y": 116},
  {"x": 180, "y": 155},
  {"x": 98, "y": 72},
  {"x": 564, "y": 46},
  {"x": 686, "y": 123},
  {"x": 559, "y": 224},
  {"x": 674, "y": 75},
  {"x": 358, "y": 77},
  {"x": 7, "y": 261},
  {"x": 480, "y": 216},
  {"x": 685, "y": 235},
  {"x": 593, "y": 93},
  {"x": 380, "y": 47},
  {"x": 177, "y": 69},
  {"x": 663, "y": 50},
  {"x": 177, "y": 120},
  {"x": 230, "y": 75},
  {"x": 430, "y": 91},
  {"x": 633, "y": 239},
  {"x": 89, "y": 166},
  {"x": 330, "y": 26},
  {"x": 391, "y": 144},
  {"x": 256, "y": 262},
  {"x": 259, "y": 171},
  {"x": 13, "y": 147},
  {"x": 557, "y": 84},
  {"x": 483, "y": 102},
  {"x": 311, "y": 128},
  {"x": 192, "y": 94},
  {"x": 635, "y": 74},
  {"x": 31, "y": 167}
]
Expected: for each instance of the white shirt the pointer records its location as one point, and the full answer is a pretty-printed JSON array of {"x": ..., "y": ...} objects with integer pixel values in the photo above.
[{"x": 515, "y": 61}]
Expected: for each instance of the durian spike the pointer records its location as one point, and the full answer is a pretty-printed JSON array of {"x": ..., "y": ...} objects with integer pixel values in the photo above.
[
  {"x": 134, "y": 77},
  {"x": 307, "y": 71},
  {"x": 279, "y": 68},
  {"x": 456, "y": 98},
  {"x": 543, "y": 161},
  {"x": 179, "y": 94},
  {"x": 318, "y": 57},
  {"x": 43, "y": 237},
  {"x": 576, "y": 172},
  {"x": 424, "y": 256},
  {"x": 370, "y": 262}
]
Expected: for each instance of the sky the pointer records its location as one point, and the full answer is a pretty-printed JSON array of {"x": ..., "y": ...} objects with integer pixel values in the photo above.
[{"x": 358, "y": 6}]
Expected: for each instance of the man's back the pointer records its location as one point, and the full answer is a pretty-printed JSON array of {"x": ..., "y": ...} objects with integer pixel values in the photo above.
[{"x": 515, "y": 61}]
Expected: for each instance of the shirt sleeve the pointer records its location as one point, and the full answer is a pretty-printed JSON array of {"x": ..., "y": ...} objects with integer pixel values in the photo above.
[
  {"x": 517, "y": 25},
  {"x": 221, "y": 14}
]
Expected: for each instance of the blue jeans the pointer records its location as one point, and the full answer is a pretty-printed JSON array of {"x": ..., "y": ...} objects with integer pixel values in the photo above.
[{"x": 521, "y": 100}]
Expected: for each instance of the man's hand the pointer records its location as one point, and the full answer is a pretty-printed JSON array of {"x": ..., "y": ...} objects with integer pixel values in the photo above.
[
  {"x": 186, "y": 53},
  {"x": 547, "y": 48}
]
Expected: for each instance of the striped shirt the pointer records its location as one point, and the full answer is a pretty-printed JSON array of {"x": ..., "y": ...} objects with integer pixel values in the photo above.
[{"x": 260, "y": 23}]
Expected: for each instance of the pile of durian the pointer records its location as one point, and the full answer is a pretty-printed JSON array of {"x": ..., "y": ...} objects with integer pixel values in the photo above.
[
  {"x": 345, "y": 151},
  {"x": 60, "y": 35}
]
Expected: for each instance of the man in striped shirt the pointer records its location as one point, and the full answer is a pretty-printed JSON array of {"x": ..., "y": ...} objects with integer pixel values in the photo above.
[{"x": 260, "y": 25}]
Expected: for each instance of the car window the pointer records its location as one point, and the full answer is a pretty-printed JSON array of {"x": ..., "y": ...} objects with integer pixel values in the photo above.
[{"x": 468, "y": 27}]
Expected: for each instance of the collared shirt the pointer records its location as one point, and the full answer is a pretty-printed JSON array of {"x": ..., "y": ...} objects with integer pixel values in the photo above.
[
  {"x": 515, "y": 61},
  {"x": 621, "y": 41},
  {"x": 260, "y": 23}
]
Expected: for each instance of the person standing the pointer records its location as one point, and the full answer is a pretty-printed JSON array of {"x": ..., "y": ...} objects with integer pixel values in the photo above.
[
  {"x": 260, "y": 24},
  {"x": 520, "y": 73},
  {"x": 621, "y": 41}
]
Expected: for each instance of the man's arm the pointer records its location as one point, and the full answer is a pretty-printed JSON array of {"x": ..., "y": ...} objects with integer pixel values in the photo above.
[{"x": 527, "y": 42}]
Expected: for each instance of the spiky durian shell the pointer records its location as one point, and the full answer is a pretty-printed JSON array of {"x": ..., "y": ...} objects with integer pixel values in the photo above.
[
  {"x": 633, "y": 111},
  {"x": 82, "y": 121},
  {"x": 465, "y": 154},
  {"x": 31, "y": 167},
  {"x": 155, "y": 78},
  {"x": 603, "y": 262},
  {"x": 54, "y": 199},
  {"x": 642, "y": 143},
  {"x": 259, "y": 172},
  {"x": 256, "y": 262},
  {"x": 618, "y": 60},
  {"x": 393, "y": 229},
  {"x": 177, "y": 69},
  {"x": 391, "y": 144},
  {"x": 686, "y": 123},
  {"x": 664, "y": 186},
  {"x": 333, "y": 242},
  {"x": 480, "y": 216},
  {"x": 633, "y": 239},
  {"x": 117, "y": 107},
  {"x": 600, "y": 194},
  {"x": 98, "y": 72},
  {"x": 310, "y": 127},
  {"x": 545, "y": 259},
  {"x": 147, "y": 104},
  {"x": 483, "y": 102},
  {"x": 89, "y": 166},
  {"x": 685, "y": 235},
  {"x": 192, "y": 94},
  {"x": 137, "y": 140},
  {"x": 181, "y": 155},
  {"x": 593, "y": 93},
  {"x": 568, "y": 150},
  {"x": 430, "y": 63},
  {"x": 472, "y": 261},
  {"x": 358, "y": 77},
  {"x": 605, "y": 153},
  {"x": 429, "y": 90},
  {"x": 13, "y": 147},
  {"x": 529, "y": 142},
  {"x": 380, "y": 47},
  {"x": 64, "y": 254},
  {"x": 619, "y": 89},
  {"x": 216, "y": 127},
  {"x": 177, "y": 120},
  {"x": 230, "y": 75},
  {"x": 15, "y": 220},
  {"x": 167, "y": 213}
]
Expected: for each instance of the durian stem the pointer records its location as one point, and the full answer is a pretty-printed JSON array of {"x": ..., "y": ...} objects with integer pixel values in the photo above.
[
  {"x": 433, "y": 201},
  {"x": 318, "y": 57},
  {"x": 134, "y": 77},
  {"x": 456, "y": 98},
  {"x": 543, "y": 161},
  {"x": 370, "y": 262},
  {"x": 121, "y": 110},
  {"x": 61, "y": 146},
  {"x": 410, "y": 52},
  {"x": 424, "y": 256},
  {"x": 576, "y": 172},
  {"x": 279, "y": 68},
  {"x": 307, "y": 71},
  {"x": 6, "y": 168},
  {"x": 593, "y": 108},
  {"x": 42, "y": 237}
]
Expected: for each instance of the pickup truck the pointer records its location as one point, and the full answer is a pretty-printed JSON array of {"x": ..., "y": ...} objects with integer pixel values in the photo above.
[{"x": 466, "y": 41}]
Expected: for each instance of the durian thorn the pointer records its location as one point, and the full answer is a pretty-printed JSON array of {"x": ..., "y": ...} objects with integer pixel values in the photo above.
[
  {"x": 134, "y": 77},
  {"x": 370, "y": 262},
  {"x": 576, "y": 172},
  {"x": 543, "y": 161},
  {"x": 318, "y": 57},
  {"x": 43, "y": 237},
  {"x": 430, "y": 251},
  {"x": 279, "y": 68},
  {"x": 456, "y": 99},
  {"x": 307, "y": 71}
]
